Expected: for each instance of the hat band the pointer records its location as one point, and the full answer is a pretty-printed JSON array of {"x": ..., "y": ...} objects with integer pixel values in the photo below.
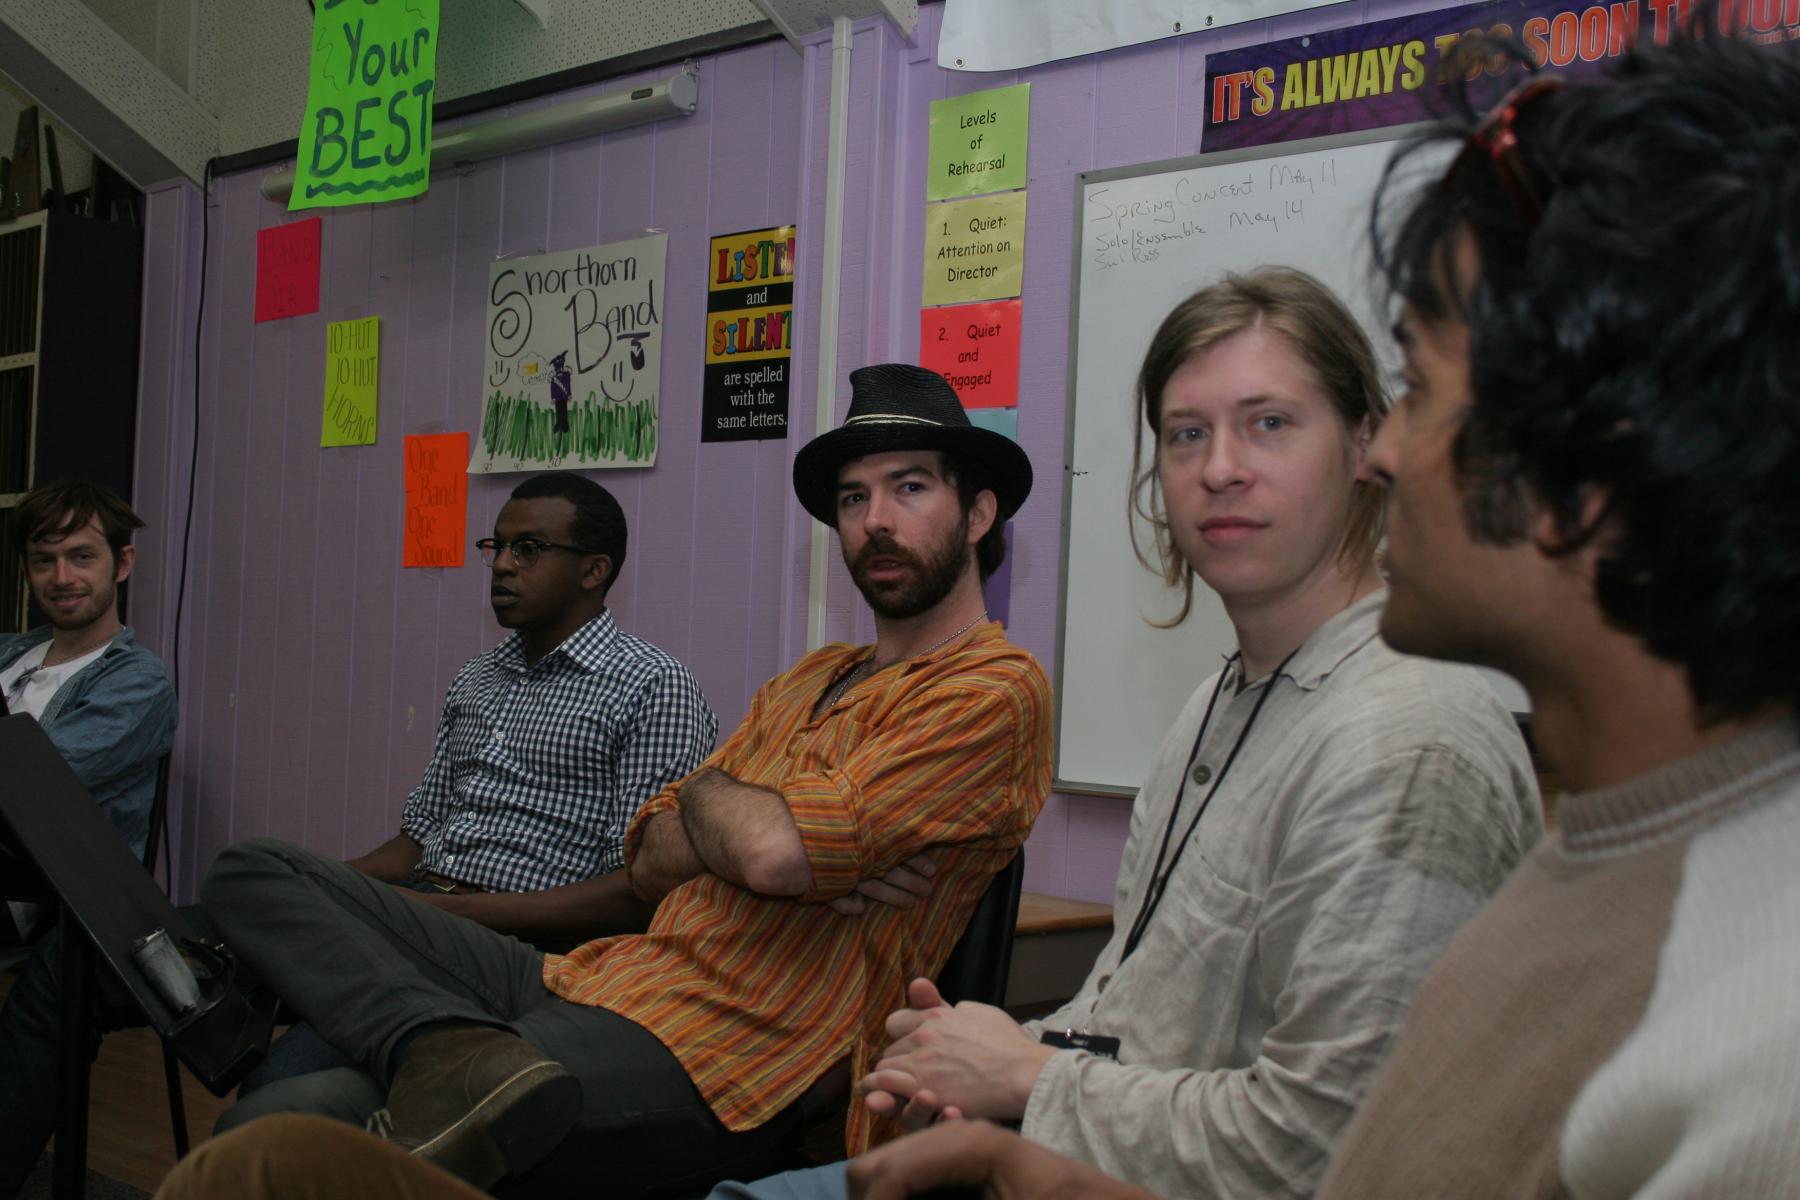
[{"x": 882, "y": 419}]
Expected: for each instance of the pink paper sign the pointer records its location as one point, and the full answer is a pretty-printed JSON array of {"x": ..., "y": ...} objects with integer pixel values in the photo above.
[{"x": 287, "y": 270}]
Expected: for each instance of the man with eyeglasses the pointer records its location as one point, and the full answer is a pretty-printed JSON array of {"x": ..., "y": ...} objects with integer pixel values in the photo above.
[
  {"x": 547, "y": 747},
  {"x": 550, "y": 742},
  {"x": 107, "y": 706}
]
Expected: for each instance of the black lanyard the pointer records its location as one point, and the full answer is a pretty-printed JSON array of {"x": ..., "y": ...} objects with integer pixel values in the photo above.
[{"x": 1159, "y": 879}]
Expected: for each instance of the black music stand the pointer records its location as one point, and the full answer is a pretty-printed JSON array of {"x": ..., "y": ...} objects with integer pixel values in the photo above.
[{"x": 108, "y": 901}]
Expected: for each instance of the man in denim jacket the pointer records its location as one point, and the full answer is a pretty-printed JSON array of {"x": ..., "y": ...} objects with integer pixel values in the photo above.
[{"x": 107, "y": 706}]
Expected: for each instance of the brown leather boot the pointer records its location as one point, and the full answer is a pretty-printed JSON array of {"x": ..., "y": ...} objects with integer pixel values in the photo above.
[{"x": 480, "y": 1103}]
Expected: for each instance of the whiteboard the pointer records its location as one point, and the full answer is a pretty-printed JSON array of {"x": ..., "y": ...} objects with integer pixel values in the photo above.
[{"x": 1145, "y": 238}]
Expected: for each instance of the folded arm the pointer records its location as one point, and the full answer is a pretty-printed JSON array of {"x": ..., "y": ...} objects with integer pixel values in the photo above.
[
  {"x": 718, "y": 825},
  {"x": 744, "y": 834}
]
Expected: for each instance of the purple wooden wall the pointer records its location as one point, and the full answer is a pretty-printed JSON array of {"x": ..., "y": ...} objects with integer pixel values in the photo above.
[{"x": 313, "y": 667}]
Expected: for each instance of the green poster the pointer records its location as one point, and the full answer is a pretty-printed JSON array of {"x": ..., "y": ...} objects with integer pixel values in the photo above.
[
  {"x": 352, "y": 382},
  {"x": 978, "y": 142},
  {"x": 367, "y": 134}
]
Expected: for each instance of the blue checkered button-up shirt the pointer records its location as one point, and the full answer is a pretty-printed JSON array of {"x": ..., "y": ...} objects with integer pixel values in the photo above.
[{"x": 538, "y": 770}]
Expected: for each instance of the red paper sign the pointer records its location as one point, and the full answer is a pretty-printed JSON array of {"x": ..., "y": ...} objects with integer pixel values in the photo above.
[
  {"x": 437, "y": 499},
  {"x": 287, "y": 270},
  {"x": 975, "y": 347}
]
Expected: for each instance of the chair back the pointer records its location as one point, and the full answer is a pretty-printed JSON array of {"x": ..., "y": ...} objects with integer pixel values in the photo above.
[
  {"x": 158, "y": 835},
  {"x": 982, "y": 958}
]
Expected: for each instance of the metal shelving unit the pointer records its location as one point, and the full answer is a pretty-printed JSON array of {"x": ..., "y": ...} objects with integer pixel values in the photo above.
[
  {"x": 70, "y": 308},
  {"x": 21, "y": 302}
]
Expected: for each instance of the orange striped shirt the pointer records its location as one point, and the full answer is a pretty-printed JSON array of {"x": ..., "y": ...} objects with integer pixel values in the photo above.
[{"x": 758, "y": 996}]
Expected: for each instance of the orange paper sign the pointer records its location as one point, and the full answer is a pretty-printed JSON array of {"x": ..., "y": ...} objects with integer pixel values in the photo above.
[
  {"x": 437, "y": 499},
  {"x": 975, "y": 347}
]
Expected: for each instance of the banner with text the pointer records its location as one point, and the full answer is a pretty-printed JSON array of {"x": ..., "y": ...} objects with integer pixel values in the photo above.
[
  {"x": 367, "y": 131},
  {"x": 1399, "y": 71},
  {"x": 749, "y": 336},
  {"x": 574, "y": 359}
]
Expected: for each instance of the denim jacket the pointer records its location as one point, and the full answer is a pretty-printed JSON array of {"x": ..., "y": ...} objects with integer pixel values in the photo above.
[{"x": 111, "y": 720}]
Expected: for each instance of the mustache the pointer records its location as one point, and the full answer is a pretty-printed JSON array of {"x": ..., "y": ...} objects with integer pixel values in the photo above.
[{"x": 883, "y": 546}]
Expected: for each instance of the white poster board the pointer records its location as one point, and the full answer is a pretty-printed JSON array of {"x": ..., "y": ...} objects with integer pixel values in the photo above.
[
  {"x": 573, "y": 369},
  {"x": 1006, "y": 35},
  {"x": 1146, "y": 237}
]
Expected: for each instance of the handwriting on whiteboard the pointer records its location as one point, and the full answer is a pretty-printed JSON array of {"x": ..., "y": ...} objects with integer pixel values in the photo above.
[{"x": 1268, "y": 196}]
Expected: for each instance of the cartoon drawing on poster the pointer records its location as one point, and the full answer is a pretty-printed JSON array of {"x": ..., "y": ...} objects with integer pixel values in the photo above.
[{"x": 574, "y": 359}]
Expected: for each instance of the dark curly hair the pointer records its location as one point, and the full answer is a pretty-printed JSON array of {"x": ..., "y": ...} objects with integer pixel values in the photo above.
[{"x": 1637, "y": 341}]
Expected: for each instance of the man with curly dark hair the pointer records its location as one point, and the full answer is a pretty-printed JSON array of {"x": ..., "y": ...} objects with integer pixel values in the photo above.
[{"x": 1594, "y": 485}]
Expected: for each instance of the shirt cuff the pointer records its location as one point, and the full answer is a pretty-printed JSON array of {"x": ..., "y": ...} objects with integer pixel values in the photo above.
[
  {"x": 826, "y": 818},
  {"x": 662, "y": 802},
  {"x": 1042, "y": 1109},
  {"x": 417, "y": 827}
]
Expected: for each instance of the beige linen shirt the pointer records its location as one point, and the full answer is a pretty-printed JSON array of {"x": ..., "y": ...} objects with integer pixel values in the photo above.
[{"x": 1375, "y": 804}]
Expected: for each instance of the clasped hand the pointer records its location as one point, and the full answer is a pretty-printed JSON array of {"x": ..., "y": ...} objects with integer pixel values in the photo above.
[{"x": 967, "y": 1060}]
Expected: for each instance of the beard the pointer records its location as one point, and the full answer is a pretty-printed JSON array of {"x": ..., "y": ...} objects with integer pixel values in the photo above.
[
  {"x": 929, "y": 575},
  {"x": 97, "y": 604}
]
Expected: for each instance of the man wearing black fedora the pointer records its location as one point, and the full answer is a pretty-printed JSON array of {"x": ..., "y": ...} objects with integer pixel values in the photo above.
[{"x": 678, "y": 1057}]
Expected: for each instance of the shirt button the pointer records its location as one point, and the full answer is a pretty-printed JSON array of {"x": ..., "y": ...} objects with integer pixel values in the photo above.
[
  {"x": 499, "y": 736},
  {"x": 1202, "y": 773},
  {"x": 449, "y": 858}
]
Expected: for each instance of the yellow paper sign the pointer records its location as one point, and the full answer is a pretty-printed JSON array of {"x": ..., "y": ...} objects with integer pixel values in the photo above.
[
  {"x": 974, "y": 249},
  {"x": 352, "y": 374}
]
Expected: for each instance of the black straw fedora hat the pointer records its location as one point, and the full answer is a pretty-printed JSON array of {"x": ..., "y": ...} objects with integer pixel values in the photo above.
[{"x": 897, "y": 406}]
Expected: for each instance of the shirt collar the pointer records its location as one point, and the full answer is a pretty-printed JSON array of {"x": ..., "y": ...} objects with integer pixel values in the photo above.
[
  {"x": 587, "y": 647},
  {"x": 1336, "y": 640},
  {"x": 1680, "y": 797},
  {"x": 43, "y": 633},
  {"x": 981, "y": 634}
]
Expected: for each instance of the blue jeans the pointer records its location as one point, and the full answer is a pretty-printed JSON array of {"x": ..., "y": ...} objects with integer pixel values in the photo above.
[{"x": 828, "y": 1182}]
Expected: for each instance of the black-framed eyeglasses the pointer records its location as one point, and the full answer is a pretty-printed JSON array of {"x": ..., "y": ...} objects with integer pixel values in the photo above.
[{"x": 524, "y": 551}]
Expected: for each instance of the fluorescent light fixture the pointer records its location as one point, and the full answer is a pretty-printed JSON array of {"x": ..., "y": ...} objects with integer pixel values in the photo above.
[{"x": 676, "y": 96}]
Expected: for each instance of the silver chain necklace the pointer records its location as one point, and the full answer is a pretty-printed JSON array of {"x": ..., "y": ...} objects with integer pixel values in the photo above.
[{"x": 867, "y": 667}]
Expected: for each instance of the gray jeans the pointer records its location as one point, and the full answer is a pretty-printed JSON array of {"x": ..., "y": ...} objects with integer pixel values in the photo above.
[{"x": 366, "y": 964}]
